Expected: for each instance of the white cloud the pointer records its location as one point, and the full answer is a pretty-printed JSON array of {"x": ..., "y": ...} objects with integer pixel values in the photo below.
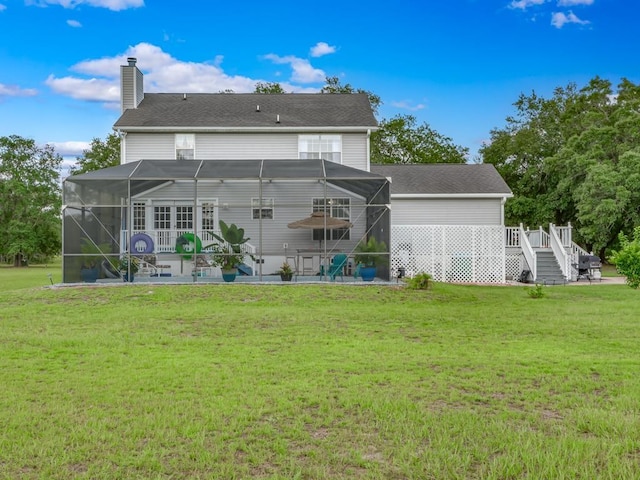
[
  {"x": 303, "y": 72},
  {"x": 162, "y": 73},
  {"x": 115, "y": 5},
  {"x": 74, "y": 23},
  {"x": 67, "y": 149},
  {"x": 16, "y": 91},
  {"x": 571, "y": 3},
  {"x": 322, "y": 48},
  {"x": 559, "y": 19},
  {"x": 524, "y": 4},
  {"x": 406, "y": 105},
  {"x": 93, "y": 89}
]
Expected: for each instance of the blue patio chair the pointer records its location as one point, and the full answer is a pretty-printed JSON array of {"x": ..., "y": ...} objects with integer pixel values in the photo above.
[{"x": 338, "y": 262}]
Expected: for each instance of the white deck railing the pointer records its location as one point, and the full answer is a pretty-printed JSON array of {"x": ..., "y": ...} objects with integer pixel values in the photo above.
[
  {"x": 564, "y": 260},
  {"x": 528, "y": 252},
  {"x": 512, "y": 237},
  {"x": 565, "y": 235},
  {"x": 559, "y": 240},
  {"x": 164, "y": 241},
  {"x": 576, "y": 251}
]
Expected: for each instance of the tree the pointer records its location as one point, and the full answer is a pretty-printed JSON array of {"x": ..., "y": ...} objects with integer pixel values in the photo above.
[
  {"x": 627, "y": 259},
  {"x": 30, "y": 200},
  {"x": 401, "y": 140},
  {"x": 269, "y": 87},
  {"x": 574, "y": 158},
  {"x": 334, "y": 86},
  {"x": 99, "y": 155}
]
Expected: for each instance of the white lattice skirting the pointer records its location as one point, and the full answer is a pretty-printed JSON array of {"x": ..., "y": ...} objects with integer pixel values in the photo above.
[
  {"x": 513, "y": 265},
  {"x": 450, "y": 253}
]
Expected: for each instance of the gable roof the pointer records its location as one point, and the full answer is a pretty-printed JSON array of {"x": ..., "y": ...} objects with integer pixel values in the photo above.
[
  {"x": 442, "y": 180},
  {"x": 251, "y": 111}
]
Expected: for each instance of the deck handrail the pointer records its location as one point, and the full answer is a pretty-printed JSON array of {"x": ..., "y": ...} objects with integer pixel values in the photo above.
[
  {"x": 565, "y": 234},
  {"x": 576, "y": 251},
  {"x": 537, "y": 238},
  {"x": 545, "y": 240},
  {"x": 528, "y": 252},
  {"x": 512, "y": 236},
  {"x": 559, "y": 252}
]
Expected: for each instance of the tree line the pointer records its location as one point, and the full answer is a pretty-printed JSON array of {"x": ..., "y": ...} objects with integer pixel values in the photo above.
[{"x": 573, "y": 157}]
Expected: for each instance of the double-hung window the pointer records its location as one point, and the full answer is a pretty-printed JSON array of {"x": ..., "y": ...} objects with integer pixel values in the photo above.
[
  {"x": 139, "y": 217},
  {"x": 337, "y": 208},
  {"x": 264, "y": 211},
  {"x": 185, "y": 146},
  {"x": 327, "y": 147}
]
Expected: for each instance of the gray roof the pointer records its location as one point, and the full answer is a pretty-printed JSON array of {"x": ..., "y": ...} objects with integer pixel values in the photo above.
[
  {"x": 444, "y": 179},
  {"x": 240, "y": 110}
]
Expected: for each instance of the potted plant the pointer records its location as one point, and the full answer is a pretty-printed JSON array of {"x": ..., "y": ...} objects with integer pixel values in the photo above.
[
  {"x": 228, "y": 254},
  {"x": 128, "y": 266},
  {"x": 370, "y": 254},
  {"x": 286, "y": 273},
  {"x": 93, "y": 254}
]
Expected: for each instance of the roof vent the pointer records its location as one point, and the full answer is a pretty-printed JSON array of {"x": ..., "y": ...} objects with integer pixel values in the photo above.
[
  {"x": 257, "y": 108},
  {"x": 277, "y": 118},
  {"x": 184, "y": 96},
  {"x": 132, "y": 61}
]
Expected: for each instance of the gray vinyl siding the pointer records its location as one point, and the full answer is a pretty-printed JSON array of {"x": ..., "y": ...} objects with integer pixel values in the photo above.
[
  {"x": 237, "y": 146},
  {"x": 139, "y": 87},
  {"x": 131, "y": 87},
  {"x": 126, "y": 87},
  {"x": 354, "y": 151},
  {"x": 292, "y": 201},
  {"x": 243, "y": 146},
  {"x": 478, "y": 211},
  {"x": 151, "y": 146}
]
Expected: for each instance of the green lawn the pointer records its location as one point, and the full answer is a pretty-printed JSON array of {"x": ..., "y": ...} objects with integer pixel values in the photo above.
[
  {"x": 335, "y": 381},
  {"x": 32, "y": 276}
]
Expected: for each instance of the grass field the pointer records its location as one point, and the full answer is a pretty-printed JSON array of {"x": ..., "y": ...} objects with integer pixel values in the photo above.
[{"x": 295, "y": 381}]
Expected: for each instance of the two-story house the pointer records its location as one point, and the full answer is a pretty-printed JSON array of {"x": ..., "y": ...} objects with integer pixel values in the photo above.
[
  {"x": 258, "y": 161},
  {"x": 263, "y": 161}
]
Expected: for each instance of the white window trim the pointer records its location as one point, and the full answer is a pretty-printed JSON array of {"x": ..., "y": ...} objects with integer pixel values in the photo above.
[
  {"x": 330, "y": 212},
  {"x": 319, "y": 138},
  {"x": 137, "y": 206},
  {"x": 175, "y": 144},
  {"x": 267, "y": 204}
]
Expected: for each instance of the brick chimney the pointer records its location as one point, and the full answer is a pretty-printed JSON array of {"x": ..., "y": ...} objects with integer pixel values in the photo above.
[{"x": 131, "y": 85}]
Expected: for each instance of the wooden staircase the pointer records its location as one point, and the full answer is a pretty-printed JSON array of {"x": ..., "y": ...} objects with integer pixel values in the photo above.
[{"x": 547, "y": 268}]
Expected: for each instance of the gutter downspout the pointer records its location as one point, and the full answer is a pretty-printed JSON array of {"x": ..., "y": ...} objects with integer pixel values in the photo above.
[{"x": 368, "y": 150}]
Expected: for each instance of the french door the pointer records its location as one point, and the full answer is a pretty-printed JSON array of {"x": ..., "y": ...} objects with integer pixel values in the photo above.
[{"x": 174, "y": 218}]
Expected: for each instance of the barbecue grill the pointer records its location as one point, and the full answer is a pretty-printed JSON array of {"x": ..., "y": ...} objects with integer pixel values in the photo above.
[{"x": 589, "y": 267}]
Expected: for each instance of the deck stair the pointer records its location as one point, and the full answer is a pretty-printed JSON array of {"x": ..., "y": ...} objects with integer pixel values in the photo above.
[{"x": 548, "y": 269}]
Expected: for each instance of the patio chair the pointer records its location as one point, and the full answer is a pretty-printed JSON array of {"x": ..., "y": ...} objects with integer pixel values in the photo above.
[
  {"x": 202, "y": 266},
  {"x": 338, "y": 264},
  {"x": 147, "y": 266}
]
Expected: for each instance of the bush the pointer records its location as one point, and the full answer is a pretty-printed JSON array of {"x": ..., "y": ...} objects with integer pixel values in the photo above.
[
  {"x": 627, "y": 259},
  {"x": 420, "y": 281},
  {"x": 537, "y": 291}
]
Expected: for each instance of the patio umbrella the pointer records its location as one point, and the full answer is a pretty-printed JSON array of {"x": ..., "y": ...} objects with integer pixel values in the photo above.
[{"x": 320, "y": 221}]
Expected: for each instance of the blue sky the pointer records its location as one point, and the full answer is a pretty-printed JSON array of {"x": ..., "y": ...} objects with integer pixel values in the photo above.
[{"x": 456, "y": 64}]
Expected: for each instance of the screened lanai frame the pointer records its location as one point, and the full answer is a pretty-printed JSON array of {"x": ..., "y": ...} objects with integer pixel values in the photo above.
[{"x": 99, "y": 206}]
